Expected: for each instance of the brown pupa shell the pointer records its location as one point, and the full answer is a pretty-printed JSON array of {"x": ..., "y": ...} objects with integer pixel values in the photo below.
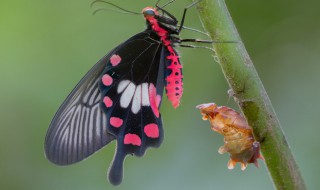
[{"x": 238, "y": 137}]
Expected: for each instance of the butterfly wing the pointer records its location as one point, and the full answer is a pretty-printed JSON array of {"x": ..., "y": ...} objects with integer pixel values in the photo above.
[
  {"x": 78, "y": 128},
  {"x": 131, "y": 87},
  {"x": 119, "y": 98}
]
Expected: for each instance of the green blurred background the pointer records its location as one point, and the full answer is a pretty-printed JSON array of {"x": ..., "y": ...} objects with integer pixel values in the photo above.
[{"x": 47, "y": 46}]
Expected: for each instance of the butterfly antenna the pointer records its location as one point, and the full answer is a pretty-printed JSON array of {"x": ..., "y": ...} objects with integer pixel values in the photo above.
[
  {"x": 163, "y": 6},
  {"x": 121, "y": 10}
]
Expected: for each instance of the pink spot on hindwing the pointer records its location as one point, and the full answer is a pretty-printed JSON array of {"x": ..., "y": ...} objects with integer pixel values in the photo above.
[
  {"x": 107, "y": 80},
  {"x": 115, "y": 60},
  {"x": 107, "y": 102},
  {"x": 116, "y": 122},
  {"x": 158, "y": 100},
  {"x": 153, "y": 100},
  {"x": 151, "y": 130},
  {"x": 132, "y": 139}
]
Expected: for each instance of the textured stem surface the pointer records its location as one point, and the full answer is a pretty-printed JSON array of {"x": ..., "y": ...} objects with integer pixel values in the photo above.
[{"x": 250, "y": 94}]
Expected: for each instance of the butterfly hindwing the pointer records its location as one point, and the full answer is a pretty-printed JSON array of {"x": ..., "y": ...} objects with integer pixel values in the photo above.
[{"x": 132, "y": 85}]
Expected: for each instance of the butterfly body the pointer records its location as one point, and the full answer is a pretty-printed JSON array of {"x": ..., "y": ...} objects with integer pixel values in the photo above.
[{"x": 119, "y": 99}]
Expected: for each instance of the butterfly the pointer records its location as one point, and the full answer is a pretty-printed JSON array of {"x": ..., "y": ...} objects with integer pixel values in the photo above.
[{"x": 120, "y": 97}]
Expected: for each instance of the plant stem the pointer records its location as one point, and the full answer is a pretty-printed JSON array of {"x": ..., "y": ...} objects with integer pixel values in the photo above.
[{"x": 250, "y": 94}]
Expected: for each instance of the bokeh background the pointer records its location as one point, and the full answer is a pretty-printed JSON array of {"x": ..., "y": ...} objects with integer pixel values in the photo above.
[{"x": 47, "y": 46}]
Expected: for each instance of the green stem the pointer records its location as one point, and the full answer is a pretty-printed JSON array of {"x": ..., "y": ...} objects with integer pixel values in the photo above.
[{"x": 250, "y": 94}]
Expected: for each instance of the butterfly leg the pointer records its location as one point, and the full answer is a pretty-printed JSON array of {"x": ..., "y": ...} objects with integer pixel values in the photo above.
[
  {"x": 200, "y": 41},
  {"x": 177, "y": 42},
  {"x": 207, "y": 41},
  {"x": 185, "y": 12},
  {"x": 193, "y": 46}
]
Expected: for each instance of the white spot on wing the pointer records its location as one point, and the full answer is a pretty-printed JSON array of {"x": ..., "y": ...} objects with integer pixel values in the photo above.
[
  {"x": 122, "y": 85},
  {"x": 127, "y": 95},
  {"x": 145, "y": 95},
  {"x": 136, "y": 102}
]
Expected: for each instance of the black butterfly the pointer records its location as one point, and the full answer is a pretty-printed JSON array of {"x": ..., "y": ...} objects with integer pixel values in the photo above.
[{"x": 120, "y": 97}]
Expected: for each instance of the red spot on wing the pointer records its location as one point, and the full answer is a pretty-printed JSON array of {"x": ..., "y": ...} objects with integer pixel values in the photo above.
[
  {"x": 151, "y": 130},
  {"x": 116, "y": 122},
  {"x": 132, "y": 139},
  {"x": 158, "y": 100},
  {"x": 115, "y": 60},
  {"x": 107, "y": 102},
  {"x": 107, "y": 80},
  {"x": 153, "y": 99}
]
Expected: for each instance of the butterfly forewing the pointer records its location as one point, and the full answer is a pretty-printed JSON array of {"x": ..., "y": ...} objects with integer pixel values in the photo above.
[{"x": 78, "y": 128}]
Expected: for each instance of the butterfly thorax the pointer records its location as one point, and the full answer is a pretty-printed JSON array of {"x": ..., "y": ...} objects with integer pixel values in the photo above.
[{"x": 166, "y": 29}]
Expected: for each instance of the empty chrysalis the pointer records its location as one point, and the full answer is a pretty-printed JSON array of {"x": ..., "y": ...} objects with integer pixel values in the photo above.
[{"x": 238, "y": 135}]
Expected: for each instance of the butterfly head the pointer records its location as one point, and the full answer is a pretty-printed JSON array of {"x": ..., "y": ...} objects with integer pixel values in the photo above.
[{"x": 149, "y": 12}]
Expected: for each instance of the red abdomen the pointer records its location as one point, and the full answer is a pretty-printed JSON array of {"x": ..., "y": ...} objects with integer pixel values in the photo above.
[
  {"x": 174, "y": 84},
  {"x": 173, "y": 67}
]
